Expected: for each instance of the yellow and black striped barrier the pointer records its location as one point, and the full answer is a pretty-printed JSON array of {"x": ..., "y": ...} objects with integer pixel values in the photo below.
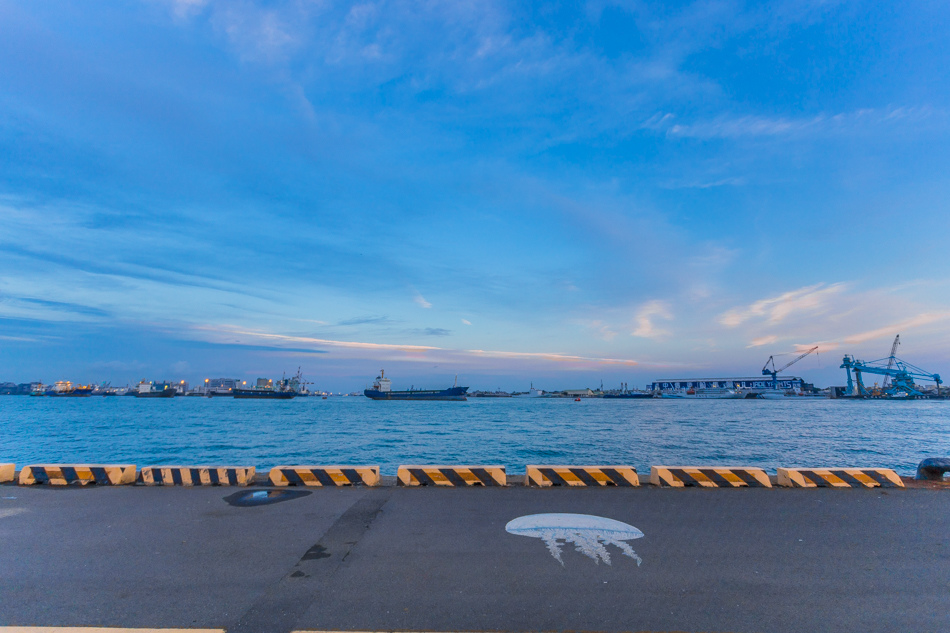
[
  {"x": 7, "y": 471},
  {"x": 709, "y": 476},
  {"x": 325, "y": 475},
  {"x": 451, "y": 476},
  {"x": 544, "y": 476},
  {"x": 838, "y": 478},
  {"x": 197, "y": 475},
  {"x": 81, "y": 474}
]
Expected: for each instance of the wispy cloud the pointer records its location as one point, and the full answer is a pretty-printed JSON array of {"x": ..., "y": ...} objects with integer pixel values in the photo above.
[
  {"x": 731, "y": 127},
  {"x": 421, "y": 301},
  {"x": 646, "y": 317},
  {"x": 183, "y": 9},
  {"x": 776, "y": 309},
  {"x": 762, "y": 340},
  {"x": 603, "y": 330},
  {"x": 367, "y": 320},
  {"x": 426, "y": 353},
  {"x": 897, "y": 328}
]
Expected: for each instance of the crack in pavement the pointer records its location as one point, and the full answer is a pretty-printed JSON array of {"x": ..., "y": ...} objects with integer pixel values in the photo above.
[{"x": 281, "y": 606}]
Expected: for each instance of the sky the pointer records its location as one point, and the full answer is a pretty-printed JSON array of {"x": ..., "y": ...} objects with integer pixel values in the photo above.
[{"x": 510, "y": 192}]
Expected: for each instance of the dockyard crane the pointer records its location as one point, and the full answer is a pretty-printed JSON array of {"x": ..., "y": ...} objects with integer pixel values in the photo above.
[
  {"x": 901, "y": 373},
  {"x": 774, "y": 372},
  {"x": 891, "y": 359}
]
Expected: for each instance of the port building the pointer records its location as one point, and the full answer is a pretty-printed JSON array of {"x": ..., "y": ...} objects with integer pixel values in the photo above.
[{"x": 785, "y": 383}]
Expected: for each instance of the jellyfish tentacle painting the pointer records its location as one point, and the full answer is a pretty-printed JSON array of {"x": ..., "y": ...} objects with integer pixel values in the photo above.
[{"x": 589, "y": 534}]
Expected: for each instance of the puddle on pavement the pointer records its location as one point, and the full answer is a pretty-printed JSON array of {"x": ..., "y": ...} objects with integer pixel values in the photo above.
[{"x": 250, "y": 498}]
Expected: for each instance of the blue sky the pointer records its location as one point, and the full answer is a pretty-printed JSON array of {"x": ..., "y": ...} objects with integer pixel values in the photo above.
[{"x": 513, "y": 192}]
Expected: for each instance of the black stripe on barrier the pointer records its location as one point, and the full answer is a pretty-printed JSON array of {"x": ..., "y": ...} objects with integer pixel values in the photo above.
[
  {"x": 421, "y": 476},
  {"x": 484, "y": 476},
  {"x": 452, "y": 476},
  {"x": 323, "y": 477},
  {"x": 749, "y": 478},
  {"x": 40, "y": 475},
  {"x": 880, "y": 478},
  {"x": 716, "y": 478},
  {"x": 195, "y": 476},
  {"x": 682, "y": 475},
  {"x": 213, "y": 476},
  {"x": 157, "y": 475},
  {"x": 69, "y": 474},
  {"x": 551, "y": 474},
  {"x": 176, "y": 476},
  {"x": 848, "y": 479},
  {"x": 292, "y": 477},
  {"x": 233, "y": 476},
  {"x": 584, "y": 476},
  {"x": 352, "y": 476},
  {"x": 819, "y": 481},
  {"x": 616, "y": 477},
  {"x": 100, "y": 475}
]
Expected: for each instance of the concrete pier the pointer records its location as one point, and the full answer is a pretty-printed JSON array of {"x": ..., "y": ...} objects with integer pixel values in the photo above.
[{"x": 401, "y": 559}]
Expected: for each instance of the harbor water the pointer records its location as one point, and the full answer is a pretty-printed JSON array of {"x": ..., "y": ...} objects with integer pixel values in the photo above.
[{"x": 507, "y": 431}]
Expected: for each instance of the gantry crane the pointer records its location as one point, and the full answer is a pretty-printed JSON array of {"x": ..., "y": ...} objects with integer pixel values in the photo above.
[
  {"x": 774, "y": 372},
  {"x": 901, "y": 374}
]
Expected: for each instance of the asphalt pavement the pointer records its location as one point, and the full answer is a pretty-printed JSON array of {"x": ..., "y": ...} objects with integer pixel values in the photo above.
[{"x": 408, "y": 559}]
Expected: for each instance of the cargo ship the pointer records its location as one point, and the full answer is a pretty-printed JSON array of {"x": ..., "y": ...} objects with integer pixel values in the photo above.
[
  {"x": 382, "y": 390},
  {"x": 285, "y": 389},
  {"x": 263, "y": 393},
  {"x": 146, "y": 389},
  {"x": 66, "y": 389}
]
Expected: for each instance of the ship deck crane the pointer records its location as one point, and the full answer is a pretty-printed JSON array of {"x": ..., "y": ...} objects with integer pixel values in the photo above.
[{"x": 774, "y": 372}]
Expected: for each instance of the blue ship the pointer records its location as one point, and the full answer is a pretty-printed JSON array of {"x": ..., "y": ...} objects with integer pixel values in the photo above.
[{"x": 382, "y": 390}]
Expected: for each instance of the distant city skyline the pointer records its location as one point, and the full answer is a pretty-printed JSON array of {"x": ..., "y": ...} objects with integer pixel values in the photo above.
[{"x": 611, "y": 191}]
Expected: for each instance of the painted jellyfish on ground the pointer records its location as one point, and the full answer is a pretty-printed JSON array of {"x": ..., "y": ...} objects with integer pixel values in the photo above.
[{"x": 589, "y": 534}]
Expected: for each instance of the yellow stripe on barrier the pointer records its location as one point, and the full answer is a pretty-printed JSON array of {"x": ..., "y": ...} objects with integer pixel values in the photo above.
[
  {"x": 838, "y": 478},
  {"x": 197, "y": 475},
  {"x": 7, "y": 471},
  {"x": 544, "y": 476},
  {"x": 709, "y": 476},
  {"x": 451, "y": 476},
  {"x": 325, "y": 475},
  {"x": 81, "y": 474}
]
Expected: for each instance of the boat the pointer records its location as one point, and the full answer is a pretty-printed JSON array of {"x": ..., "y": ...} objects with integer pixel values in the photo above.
[
  {"x": 147, "y": 389},
  {"x": 66, "y": 389},
  {"x": 263, "y": 393},
  {"x": 628, "y": 395},
  {"x": 382, "y": 390},
  {"x": 532, "y": 393},
  {"x": 285, "y": 389}
]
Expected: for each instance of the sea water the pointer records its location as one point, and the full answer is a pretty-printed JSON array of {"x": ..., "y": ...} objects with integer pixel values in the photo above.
[{"x": 508, "y": 431}]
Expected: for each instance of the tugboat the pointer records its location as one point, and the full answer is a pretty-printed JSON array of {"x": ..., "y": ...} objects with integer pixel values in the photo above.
[
  {"x": 146, "y": 389},
  {"x": 382, "y": 390}
]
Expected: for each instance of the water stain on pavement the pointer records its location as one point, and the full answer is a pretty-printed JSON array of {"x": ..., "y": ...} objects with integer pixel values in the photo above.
[{"x": 251, "y": 498}]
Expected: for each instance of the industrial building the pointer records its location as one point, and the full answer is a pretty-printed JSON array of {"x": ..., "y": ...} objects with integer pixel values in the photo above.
[{"x": 786, "y": 383}]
